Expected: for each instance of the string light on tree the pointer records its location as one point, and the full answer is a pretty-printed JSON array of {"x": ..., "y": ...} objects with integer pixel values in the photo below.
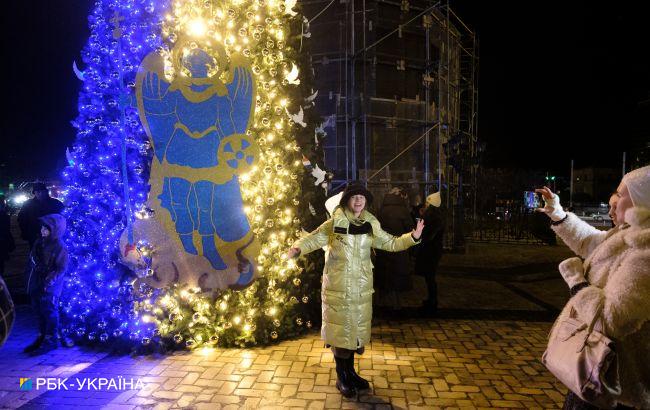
[
  {"x": 260, "y": 31},
  {"x": 106, "y": 181},
  {"x": 106, "y": 178}
]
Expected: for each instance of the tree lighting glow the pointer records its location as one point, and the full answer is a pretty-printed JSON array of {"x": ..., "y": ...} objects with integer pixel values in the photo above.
[{"x": 107, "y": 181}]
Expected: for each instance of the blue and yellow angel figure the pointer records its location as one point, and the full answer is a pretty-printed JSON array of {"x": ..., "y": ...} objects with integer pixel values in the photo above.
[{"x": 198, "y": 126}]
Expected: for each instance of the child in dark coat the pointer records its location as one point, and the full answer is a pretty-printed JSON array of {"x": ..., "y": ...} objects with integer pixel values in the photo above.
[{"x": 49, "y": 259}]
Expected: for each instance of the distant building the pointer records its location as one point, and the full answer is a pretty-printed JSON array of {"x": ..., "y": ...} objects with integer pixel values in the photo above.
[{"x": 595, "y": 184}]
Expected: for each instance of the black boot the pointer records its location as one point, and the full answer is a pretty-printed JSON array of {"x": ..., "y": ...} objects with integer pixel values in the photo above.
[
  {"x": 66, "y": 341},
  {"x": 49, "y": 343},
  {"x": 359, "y": 382},
  {"x": 35, "y": 344},
  {"x": 344, "y": 381}
]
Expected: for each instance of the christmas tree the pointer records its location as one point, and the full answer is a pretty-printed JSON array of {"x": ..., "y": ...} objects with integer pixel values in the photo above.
[
  {"x": 280, "y": 198},
  {"x": 107, "y": 180},
  {"x": 107, "y": 174}
]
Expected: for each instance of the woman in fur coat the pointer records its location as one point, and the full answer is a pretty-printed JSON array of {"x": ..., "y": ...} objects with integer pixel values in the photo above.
[{"x": 613, "y": 267}]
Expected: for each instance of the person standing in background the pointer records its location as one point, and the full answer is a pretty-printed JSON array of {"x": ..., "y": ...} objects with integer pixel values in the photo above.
[
  {"x": 429, "y": 251},
  {"x": 7, "y": 244},
  {"x": 49, "y": 262},
  {"x": 42, "y": 204},
  {"x": 393, "y": 268}
]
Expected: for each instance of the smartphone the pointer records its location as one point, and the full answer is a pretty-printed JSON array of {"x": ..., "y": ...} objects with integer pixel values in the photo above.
[{"x": 531, "y": 200}]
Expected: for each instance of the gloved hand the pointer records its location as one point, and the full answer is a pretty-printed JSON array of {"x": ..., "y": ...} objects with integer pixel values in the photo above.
[
  {"x": 573, "y": 271},
  {"x": 552, "y": 206}
]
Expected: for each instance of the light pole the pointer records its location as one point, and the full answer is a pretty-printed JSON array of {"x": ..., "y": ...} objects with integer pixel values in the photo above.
[{"x": 550, "y": 179}]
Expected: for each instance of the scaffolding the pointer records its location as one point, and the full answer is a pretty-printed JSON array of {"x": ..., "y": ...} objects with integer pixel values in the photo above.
[{"x": 398, "y": 95}]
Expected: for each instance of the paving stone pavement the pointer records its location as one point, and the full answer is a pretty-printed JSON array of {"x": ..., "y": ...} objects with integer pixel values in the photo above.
[
  {"x": 469, "y": 358},
  {"x": 412, "y": 364}
]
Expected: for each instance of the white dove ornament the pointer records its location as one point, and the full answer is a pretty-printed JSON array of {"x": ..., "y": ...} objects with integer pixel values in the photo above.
[{"x": 292, "y": 76}]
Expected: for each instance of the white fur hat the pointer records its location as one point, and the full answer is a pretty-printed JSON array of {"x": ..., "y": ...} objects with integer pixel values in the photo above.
[
  {"x": 638, "y": 183},
  {"x": 434, "y": 200}
]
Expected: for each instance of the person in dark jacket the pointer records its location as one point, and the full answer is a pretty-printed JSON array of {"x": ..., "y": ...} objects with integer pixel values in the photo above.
[
  {"x": 28, "y": 217},
  {"x": 49, "y": 259},
  {"x": 429, "y": 251},
  {"x": 7, "y": 244},
  {"x": 393, "y": 273}
]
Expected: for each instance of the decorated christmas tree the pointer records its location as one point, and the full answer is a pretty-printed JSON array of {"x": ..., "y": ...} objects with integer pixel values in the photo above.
[
  {"x": 107, "y": 174},
  {"x": 267, "y": 37},
  {"x": 208, "y": 101}
]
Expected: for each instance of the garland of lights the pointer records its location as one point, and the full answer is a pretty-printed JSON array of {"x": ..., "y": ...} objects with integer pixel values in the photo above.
[
  {"x": 97, "y": 302},
  {"x": 258, "y": 30},
  {"x": 283, "y": 301}
]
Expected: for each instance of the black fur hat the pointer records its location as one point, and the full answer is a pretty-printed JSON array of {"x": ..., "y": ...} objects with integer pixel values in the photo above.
[{"x": 355, "y": 188}]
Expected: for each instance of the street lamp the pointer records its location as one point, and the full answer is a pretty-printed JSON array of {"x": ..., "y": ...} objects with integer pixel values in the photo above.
[{"x": 550, "y": 179}]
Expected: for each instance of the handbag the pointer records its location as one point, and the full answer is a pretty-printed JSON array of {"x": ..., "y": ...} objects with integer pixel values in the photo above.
[{"x": 583, "y": 358}]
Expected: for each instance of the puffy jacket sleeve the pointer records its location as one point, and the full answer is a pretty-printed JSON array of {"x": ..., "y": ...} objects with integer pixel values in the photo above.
[
  {"x": 581, "y": 237},
  {"x": 315, "y": 240},
  {"x": 389, "y": 243},
  {"x": 626, "y": 305}
]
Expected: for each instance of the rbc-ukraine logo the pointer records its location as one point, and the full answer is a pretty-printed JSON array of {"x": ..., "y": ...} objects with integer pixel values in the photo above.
[{"x": 25, "y": 384}]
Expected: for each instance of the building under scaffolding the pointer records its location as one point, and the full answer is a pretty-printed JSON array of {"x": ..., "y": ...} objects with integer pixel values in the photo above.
[{"x": 397, "y": 91}]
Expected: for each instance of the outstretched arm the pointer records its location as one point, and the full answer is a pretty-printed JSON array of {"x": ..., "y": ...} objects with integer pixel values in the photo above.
[
  {"x": 315, "y": 240},
  {"x": 387, "y": 242},
  {"x": 581, "y": 237}
]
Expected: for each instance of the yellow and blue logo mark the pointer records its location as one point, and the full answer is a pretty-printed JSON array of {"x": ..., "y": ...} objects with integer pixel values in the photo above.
[{"x": 25, "y": 383}]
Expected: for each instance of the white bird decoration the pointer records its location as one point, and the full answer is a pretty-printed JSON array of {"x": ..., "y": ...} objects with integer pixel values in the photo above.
[
  {"x": 289, "y": 5},
  {"x": 319, "y": 174},
  {"x": 77, "y": 72},
  {"x": 292, "y": 76},
  {"x": 69, "y": 157},
  {"x": 312, "y": 97},
  {"x": 298, "y": 118}
]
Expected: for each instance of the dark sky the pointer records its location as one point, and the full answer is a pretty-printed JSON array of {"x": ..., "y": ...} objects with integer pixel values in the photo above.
[
  {"x": 558, "y": 80},
  {"x": 40, "y": 40}
]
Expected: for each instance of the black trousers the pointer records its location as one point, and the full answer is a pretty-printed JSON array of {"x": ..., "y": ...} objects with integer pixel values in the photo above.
[{"x": 45, "y": 302}]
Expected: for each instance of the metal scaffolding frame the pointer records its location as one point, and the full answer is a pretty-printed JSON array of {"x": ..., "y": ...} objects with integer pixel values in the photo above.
[{"x": 398, "y": 93}]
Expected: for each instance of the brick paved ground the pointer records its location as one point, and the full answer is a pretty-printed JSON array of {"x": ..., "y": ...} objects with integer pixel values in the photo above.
[
  {"x": 444, "y": 363},
  {"x": 465, "y": 359}
]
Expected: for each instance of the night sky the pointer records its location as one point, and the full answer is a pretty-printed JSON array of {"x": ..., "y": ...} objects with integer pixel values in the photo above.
[{"x": 558, "y": 80}]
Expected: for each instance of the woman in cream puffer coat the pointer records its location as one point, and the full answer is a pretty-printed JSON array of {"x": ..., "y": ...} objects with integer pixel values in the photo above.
[
  {"x": 613, "y": 268},
  {"x": 348, "y": 279}
]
